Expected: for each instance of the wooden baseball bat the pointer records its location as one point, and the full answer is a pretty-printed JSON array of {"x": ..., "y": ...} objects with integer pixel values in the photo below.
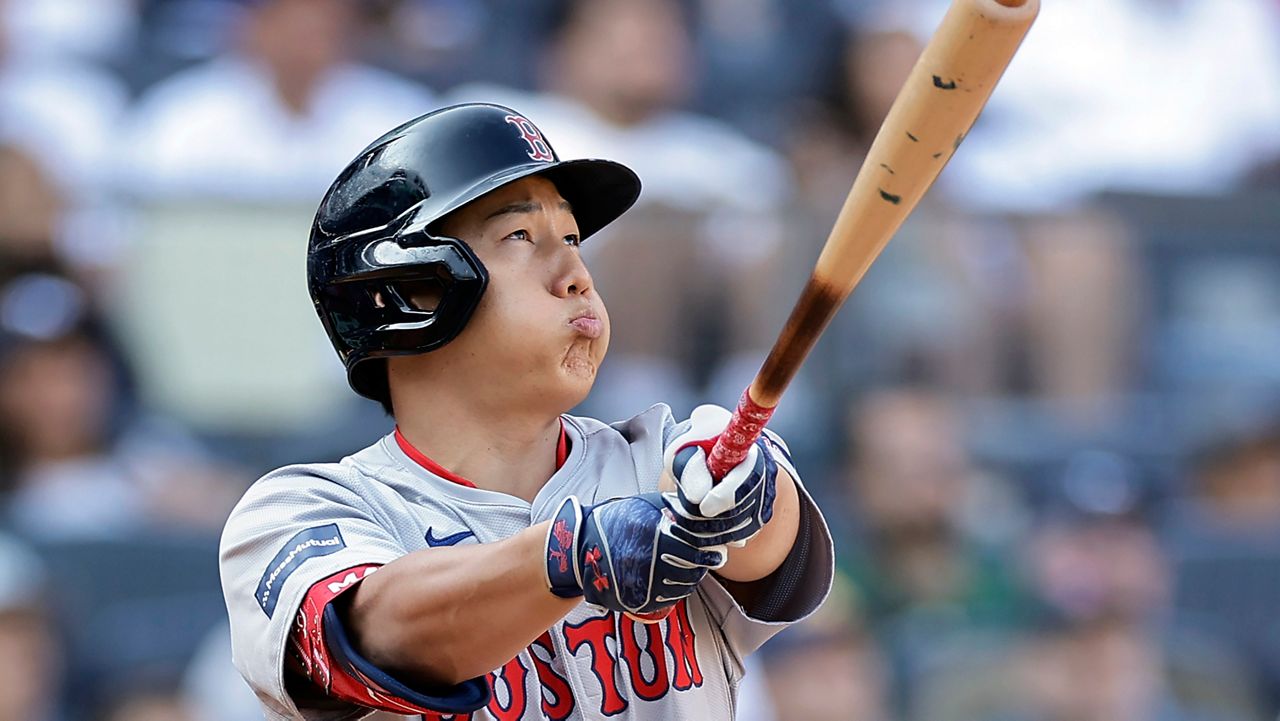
[{"x": 935, "y": 109}]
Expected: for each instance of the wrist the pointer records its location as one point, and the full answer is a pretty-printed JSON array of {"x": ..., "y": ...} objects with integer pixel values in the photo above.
[{"x": 561, "y": 550}]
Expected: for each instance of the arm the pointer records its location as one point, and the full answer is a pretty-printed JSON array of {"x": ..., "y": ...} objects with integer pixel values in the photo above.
[
  {"x": 445, "y": 615},
  {"x": 766, "y": 551}
]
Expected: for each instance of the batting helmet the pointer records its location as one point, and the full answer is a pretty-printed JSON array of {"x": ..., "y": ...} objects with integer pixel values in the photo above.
[{"x": 374, "y": 241}]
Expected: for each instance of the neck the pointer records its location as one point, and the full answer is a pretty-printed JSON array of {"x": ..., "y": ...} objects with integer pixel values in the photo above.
[{"x": 505, "y": 451}]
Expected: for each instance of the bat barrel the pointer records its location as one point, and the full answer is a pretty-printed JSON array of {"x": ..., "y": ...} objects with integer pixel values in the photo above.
[{"x": 931, "y": 116}]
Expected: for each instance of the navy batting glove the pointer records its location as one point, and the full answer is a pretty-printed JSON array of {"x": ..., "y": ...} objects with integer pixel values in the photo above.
[
  {"x": 622, "y": 555},
  {"x": 709, "y": 514}
]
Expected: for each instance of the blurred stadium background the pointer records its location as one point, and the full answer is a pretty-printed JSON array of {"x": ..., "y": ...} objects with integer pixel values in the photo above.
[{"x": 1045, "y": 429}]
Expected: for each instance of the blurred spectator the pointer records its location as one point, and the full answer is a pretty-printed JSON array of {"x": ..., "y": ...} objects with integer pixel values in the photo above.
[
  {"x": 63, "y": 116},
  {"x": 1091, "y": 672},
  {"x": 274, "y": 118},
  {"x": 1225, "y": 538},
  {"x": 29, "y": 648},
  {"x": 1237, "y": 483},
  {"x": 928, "y": 521},
  {"x": 30, "y": 208},
  {"x": 71, "y": 465},
  {"x": 755, "y": 67},
  {"x": 97, "y": 30},
  {"x": 1103, "y": 648},
  {"x": 930, "y": 561},
  {"x": 1094, "y": 555},
  {"x": 448, "y": 42},
  {"x": 61, "y": 110},
  {"x": 828, "y": 668}
]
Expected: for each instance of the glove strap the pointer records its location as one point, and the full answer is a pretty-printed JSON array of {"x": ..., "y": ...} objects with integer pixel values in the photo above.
[{"x": 562, "y": 550}]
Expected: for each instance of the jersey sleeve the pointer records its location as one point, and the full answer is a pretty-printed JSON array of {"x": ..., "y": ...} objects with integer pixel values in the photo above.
[
  {"x": 323, "y": 653},
  {"x": 296, "y": 528}
]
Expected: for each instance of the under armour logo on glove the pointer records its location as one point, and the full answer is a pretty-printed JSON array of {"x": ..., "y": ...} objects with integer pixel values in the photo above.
[
  {"x": 622, "y": 555},
  {"x": 731, "y": 511}
]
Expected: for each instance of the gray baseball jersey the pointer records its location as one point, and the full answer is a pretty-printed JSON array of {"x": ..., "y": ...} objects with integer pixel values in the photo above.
[{"x": 308, "y": 528}]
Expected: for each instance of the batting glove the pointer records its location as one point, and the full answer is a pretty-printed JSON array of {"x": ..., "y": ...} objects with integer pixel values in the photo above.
[
  {"x": 708, "y": 513},
  {"x": 621, "y": 555}
]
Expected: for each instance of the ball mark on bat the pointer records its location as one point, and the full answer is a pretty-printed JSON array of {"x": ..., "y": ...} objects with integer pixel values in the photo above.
[
  {"x": 937, "y": 83},
  {"x": 937, "y": 155},
  {"x": 886, "y": 167},
  {"x": 895, "y": 199},
  {"x": 914, "y": 139}
]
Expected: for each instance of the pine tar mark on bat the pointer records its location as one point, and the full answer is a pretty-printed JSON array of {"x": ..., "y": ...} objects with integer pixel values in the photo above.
[
  {"x": 895, "y": 199},
  {"x": 937, "y": 83}
]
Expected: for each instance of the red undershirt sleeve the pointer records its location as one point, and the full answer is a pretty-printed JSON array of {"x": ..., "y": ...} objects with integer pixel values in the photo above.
[{"x": 323, "y": 653}]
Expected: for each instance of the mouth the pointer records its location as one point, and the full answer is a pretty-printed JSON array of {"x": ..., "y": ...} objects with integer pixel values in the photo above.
[{"x": 588, "y": 325}]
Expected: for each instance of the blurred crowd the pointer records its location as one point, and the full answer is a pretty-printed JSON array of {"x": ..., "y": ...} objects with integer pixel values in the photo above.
[{"x": 1045, "y": 429}]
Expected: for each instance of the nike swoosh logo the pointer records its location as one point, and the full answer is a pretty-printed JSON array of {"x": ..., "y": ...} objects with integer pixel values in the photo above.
[{"x": 447, "y": 540}]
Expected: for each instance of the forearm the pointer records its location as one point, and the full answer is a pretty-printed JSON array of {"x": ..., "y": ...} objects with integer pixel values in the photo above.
[
  {"x": 445, "y": 615},
  {"x": 766, "y": 551}
]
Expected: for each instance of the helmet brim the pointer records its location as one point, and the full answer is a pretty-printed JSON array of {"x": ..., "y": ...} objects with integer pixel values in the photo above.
[{"x": 599, "y": 191}]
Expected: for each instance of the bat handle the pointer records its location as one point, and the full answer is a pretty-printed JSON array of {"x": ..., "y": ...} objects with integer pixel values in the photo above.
[{"x": 744, "y": 428}]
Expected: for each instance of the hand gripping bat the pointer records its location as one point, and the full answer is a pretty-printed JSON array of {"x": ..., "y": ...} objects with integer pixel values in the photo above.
[{"x": 935, "y": 109}]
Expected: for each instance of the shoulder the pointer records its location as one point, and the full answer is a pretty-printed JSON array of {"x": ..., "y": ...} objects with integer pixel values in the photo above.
[{"x": 303, "y": 488}]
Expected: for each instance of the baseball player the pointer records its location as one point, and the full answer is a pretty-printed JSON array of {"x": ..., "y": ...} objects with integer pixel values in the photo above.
[{"x": 494, "y": 558}]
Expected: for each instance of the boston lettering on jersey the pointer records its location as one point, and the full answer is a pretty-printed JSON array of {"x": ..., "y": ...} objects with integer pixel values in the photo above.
[
  {"x": 668, "y": 646},
  {"x": 644, "y": 662}
]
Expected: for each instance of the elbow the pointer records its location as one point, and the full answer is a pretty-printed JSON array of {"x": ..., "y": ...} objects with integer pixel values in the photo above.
[{"x": 447, "y": 670}]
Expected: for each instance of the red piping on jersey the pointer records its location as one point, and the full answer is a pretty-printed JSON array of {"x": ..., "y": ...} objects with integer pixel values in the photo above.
[
  {"x": 562, "y": 453},
  {"x": 562, "y": 446}
]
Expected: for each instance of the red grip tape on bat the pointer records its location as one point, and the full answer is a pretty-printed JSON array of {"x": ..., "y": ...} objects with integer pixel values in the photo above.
[{"x": 746, "y": 425}]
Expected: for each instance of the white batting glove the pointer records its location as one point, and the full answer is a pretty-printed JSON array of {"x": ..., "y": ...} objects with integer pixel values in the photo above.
[{"x": 709, "y": 513}]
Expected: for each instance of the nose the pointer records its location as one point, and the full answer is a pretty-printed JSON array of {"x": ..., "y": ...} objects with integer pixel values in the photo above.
[{"x": 572, "y": 277}]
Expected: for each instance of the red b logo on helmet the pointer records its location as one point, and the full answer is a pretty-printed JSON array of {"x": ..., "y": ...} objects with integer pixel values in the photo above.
[{"x": 538, "y": 148}]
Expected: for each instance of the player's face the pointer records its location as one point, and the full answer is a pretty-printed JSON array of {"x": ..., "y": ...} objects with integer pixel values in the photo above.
[{"x": 540, "y": 323}]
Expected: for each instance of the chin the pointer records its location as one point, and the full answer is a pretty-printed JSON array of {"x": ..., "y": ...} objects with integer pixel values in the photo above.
[
  {"x": 578, "y": 368},
  {"x": 577, "y": 385}
]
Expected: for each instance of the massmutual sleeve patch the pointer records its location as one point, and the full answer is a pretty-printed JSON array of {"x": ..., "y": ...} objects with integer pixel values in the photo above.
[{"x": 311, "y": 543}]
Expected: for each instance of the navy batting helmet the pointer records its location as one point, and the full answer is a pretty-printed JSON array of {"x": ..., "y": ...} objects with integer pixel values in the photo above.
[{"x": 374, "y": 241}]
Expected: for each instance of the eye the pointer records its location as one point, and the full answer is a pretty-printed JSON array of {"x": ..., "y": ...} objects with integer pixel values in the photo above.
[
  {"x": 573, "y": 240},
  {"x": 519, "y": 235}
]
